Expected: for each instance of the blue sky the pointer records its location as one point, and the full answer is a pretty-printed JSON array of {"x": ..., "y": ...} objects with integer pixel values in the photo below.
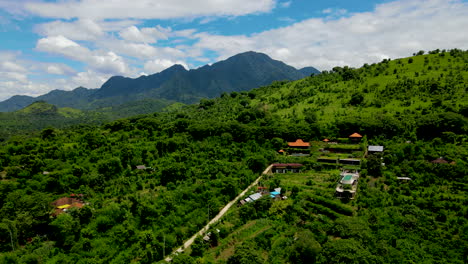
[{"x": 64, "y": 44}]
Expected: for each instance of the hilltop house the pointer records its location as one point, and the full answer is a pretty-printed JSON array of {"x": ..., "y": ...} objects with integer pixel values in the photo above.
[
  {"x": 347, "y": 185},
  {"x": 299, "y": 148},
  {"x": 299, "y": 144}
]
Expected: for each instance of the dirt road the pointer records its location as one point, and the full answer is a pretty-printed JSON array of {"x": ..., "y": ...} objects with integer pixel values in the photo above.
[{"x": 223, "y": 211}]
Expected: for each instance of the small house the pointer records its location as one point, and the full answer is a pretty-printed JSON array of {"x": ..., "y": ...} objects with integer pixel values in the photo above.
[
  {"x": 63, "y": 204},
  {"x": 299, "y": 144},
  {"x": 439, "y": 160},
  {"x": 374, "y": 149},
  {"x": 286, "y": 167},
  {"x": 141, "y": 167},
  {"x": 404, "y": 179},
  {"x": 347, "y": 185},
  {"x": 350, "y": 161}
]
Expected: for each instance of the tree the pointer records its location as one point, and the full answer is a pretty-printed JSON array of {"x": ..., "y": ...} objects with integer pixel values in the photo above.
[
  {"x": 345, "y": 251},
  {"x": 65, "y": 228},
  {"x": 182, "y": 258},
  {"x": 245, "y": 254},
  {"x": 356, "y": 98},
  {"x": 305, "y": 248},
  {"x": 257, "y": 163},
  {"x": 110, "y": 168}
]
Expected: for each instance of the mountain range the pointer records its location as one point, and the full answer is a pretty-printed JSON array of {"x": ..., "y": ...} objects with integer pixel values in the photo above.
[{"x": 238, "y": 73}]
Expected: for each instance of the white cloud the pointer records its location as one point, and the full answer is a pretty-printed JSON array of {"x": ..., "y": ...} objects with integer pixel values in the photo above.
[
  {"x": 109, "y": 63},
  {"x": 89, "y": 79},
  {"x": 157, "y": 65},
  {"x": 147, "y": 9},
  {"x": 145, "y": 35},
  {"x": 9, "y": 88},
  {"x": 285, "y": 4},
  {"x": 58, "y": 69},
  {"x": 105, "y": 62},
  {"x": 14, "y": 76},
  {"x": 82, "y": 29},
  {"x": 392, "y": 30},
  {"x": 62, "y": 45},
  {"x": 9, "y": 66}
]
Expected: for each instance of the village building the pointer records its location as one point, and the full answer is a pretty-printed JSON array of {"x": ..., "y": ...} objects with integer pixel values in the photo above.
[
  {"x": 286, "y": 168},
  {"x": 64, "y": 204},
  {"x": 374, "y": 149},
  {"x": 141, "y": 167},
  {"x": 299, "y": 148},
  {"x": 299, "y": 144},
  {"x": 439, "y": 160},
  {"x": 275, "y": 194},
  {"x": 355, "y": 137},
  {"x": 347, "y": 185},
  {"x": 404, "y": 179},
  {"x": 350, "y": 161}
]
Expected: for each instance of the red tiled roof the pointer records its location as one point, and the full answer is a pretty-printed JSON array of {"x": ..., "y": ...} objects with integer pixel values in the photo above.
[
  {"x": 355, "y": 135},
  {"x": 281, "y": 151},
  {"x": 326, "y": 140},
  {"x": 299, "y": 143},
  {"x": 73, "y": 202}
]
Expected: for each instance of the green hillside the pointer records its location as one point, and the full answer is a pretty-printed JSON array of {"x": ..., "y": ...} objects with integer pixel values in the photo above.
[
  {"x": 40, "y": 115},
  {"x": 135, "y": 189}
]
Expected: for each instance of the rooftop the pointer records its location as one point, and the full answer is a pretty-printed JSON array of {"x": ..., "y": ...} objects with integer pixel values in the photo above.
[
  {"x": 439, "y": 160},
  {"x": 255, "y": 196},
  {"x": 375, "y": 148},
  {"x": 355, "y": 135},
  {"x": 299, "y": 143},
  {"x": 141, "y": 167}
]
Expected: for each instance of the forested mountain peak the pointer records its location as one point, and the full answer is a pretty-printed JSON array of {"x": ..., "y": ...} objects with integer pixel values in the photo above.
[{"x": 238, "y": 73}]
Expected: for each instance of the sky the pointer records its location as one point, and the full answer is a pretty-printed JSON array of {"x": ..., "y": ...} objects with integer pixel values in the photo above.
[{"x": 64, "y": 44}]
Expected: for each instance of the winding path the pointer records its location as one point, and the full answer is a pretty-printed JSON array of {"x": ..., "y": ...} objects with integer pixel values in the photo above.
[{"x": 223, "y": 211}]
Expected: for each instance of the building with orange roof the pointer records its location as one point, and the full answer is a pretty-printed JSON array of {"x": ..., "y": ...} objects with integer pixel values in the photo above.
[
  {"x": 65, "y": 203},
  {"x": 299, "y": 143},
  {"x": 355, "y": 137},
  {"x": 299, "y": 148}
]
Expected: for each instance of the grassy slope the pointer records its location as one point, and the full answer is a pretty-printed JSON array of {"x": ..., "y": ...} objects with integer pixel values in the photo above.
[{"x": 330, "y": 98}]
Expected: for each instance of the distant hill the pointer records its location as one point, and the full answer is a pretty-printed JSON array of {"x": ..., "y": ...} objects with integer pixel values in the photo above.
[
  {"x": 40, "y": 114},
  {"x": 241, "y": 72}
]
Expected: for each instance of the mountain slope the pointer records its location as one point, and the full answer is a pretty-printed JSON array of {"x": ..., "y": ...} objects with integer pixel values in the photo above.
[{"x": 238, "y": 73}]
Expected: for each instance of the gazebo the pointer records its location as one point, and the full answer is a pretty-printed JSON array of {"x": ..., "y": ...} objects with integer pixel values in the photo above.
[{"x": 355, "y": 137}]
